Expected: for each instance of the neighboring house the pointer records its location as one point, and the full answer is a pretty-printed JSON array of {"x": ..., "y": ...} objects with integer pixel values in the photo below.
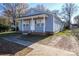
[
  {"x": 37, "y": 21},
  {"x": 74, "y": 23}
]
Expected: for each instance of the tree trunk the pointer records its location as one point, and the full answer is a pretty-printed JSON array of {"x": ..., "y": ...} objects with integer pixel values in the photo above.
[
  {"x": 69, "y": 21},
  {"x": 14, "y": 23}
]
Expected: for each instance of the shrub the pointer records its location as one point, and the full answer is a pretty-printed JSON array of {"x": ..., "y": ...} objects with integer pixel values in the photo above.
[{"x": 4, "y": 28}]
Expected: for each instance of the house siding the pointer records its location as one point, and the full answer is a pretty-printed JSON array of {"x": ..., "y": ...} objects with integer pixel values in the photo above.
[
  {"x": 27, "y": 28},
  {"x": 49, "y": 24},
  {"x": 57, "y": 25}
]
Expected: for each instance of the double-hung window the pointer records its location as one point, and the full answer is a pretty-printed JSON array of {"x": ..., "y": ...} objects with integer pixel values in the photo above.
[
  {"x": 27, "y": 22},
  {"x": 39, "y": 22}
]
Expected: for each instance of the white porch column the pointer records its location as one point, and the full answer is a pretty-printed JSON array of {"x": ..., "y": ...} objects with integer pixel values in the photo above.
[
  {"x": 22, "y": 24},
  {"x": 32, "y": 24},
  {"x": 44, "y": 24}
]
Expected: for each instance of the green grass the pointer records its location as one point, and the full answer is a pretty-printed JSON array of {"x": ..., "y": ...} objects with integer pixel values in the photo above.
[
  {"x": 75, "y": 30},
  {"x": 8, "y": 33},
  {"x": 64, "y": 33}
]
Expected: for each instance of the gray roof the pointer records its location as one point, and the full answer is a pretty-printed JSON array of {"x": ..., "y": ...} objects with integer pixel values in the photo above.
[{"x": 32, "y": 12}]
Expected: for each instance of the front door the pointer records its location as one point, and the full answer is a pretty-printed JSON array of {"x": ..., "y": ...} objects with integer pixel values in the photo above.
[{"x": 32, "y": 25}]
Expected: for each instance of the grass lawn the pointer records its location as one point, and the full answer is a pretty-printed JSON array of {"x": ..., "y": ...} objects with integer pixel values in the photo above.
[
  {"x": 8, "y": 33},
  {"x": 64, "y": 33},
  {"x": 50, "y": 38},
  {"x": 69, "y": 32},
  {"x": 75, "y": 32},
  {"x": 10, "y": 48}
]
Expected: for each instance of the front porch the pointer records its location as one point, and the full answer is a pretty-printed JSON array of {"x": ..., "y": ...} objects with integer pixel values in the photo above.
[{"x": 33, "y": 23}]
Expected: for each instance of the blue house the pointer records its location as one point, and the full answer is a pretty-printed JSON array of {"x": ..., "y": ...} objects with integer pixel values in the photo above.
[{"x": 38, "y": 21}]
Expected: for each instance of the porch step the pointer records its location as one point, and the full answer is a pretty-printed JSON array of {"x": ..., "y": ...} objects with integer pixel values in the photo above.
[{"x": 25, "y": 33}]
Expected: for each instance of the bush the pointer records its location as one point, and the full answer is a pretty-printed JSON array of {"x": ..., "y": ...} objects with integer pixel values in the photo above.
[
  {"x": 4, "y": 28},
  {"x": 14, "y": 29}
]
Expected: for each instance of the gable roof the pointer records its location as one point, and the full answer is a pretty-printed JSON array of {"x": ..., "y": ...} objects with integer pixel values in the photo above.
[{"x": 33, "y": 11}]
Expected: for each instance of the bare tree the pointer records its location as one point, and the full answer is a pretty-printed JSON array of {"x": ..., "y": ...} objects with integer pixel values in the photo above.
[
  {"x": 21, "y": 9},
  {"x": 68, "y": 10},
  {"x": 14, "y": 10},
  {"x": 56, "y": 12}
]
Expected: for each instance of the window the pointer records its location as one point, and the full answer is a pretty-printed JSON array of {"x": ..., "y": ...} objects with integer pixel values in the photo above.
[
  {"x": 24, "y": 26},
  {"x": 39, "y": 22},
  {"x": 27, "y": 22}
]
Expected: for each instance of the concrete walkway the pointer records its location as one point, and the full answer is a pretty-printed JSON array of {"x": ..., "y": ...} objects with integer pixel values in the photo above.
[
  {"x": 41, "y": 50},
  {"x": 44, "y": 50}
]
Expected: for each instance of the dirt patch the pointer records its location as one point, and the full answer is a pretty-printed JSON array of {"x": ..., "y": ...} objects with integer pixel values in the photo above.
[
  {"x": 45, "y": 50},
  {"x": 66, "y": 43}
]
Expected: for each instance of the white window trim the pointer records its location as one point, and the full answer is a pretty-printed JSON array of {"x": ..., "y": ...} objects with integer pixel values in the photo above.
[
  {"x": 40, "y": 22},
  {"x": 44, "y": 24}
]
